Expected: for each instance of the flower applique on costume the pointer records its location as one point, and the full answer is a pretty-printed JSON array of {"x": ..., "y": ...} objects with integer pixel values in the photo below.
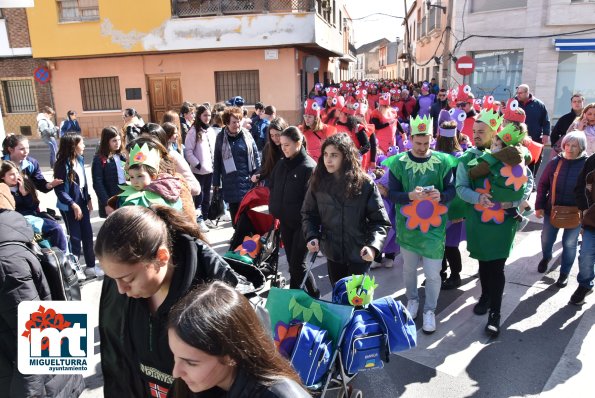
[{"x": 494, "y": 213}]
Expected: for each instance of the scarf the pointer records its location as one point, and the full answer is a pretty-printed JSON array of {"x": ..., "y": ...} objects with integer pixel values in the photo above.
[{"x": 227, "y": 155}]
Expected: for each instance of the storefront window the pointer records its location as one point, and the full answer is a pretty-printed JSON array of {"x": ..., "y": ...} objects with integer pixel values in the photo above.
[
  {"x": 496, "y": 73},
  {"x": 575, "y": 74}
]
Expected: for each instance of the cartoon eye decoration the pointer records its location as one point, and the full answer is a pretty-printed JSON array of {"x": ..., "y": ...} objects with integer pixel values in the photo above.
[
  {"x": 514, "y": 105},
  {"x": 393, "y": 91},
  {"x": 357, "y": 92},
  {"x": 315, "y": 106},
  {"x": 461, "y": 117},
  {"x": 451, "y": 111},
  {"x": 364, "y": 92},
  {"x": 334, "y": 101},
  {"x": 367, "y": 84},
  {"x": 356, "y": 106},
  {"x": 306, "y": 104},
  {"x": 490, "y": 99},
  {"x": 334, "y": 90},
  {"x": 396, "y": 109},
  {"x": 364, "y": 108},
  {"x": 467, "y": 89}
]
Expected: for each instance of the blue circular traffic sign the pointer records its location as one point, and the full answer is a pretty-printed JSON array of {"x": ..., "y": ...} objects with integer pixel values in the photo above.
[{"x": 42, "y": 74}]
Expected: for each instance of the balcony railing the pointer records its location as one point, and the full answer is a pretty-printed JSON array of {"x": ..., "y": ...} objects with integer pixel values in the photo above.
[{"x": 201, "y": 8}]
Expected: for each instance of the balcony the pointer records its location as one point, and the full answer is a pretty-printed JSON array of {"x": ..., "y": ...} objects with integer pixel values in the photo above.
[{"x": 203, "y": 8}]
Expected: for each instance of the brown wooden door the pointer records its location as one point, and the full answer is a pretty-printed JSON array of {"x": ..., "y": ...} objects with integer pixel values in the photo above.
[{"x": 165, "y": 93}]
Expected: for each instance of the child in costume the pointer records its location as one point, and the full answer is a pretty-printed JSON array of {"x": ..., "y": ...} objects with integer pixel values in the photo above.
[
  {"x": 147, "y": 186},
  {"x": 504, "y": 166}
]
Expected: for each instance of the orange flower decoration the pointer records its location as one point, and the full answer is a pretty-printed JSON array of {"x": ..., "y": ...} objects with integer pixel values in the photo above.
[
  {"x": 516, "y": 176},
  {"x": 140, "y": 157},
  {"x": 495, "y": 213},
  {"x": 423, "y": 213},
  {"x": 507, "y": 137},
  {"x": 250, "y": 246},
  {"x": 493, "y": 123},
  {"x": 357, "y": 301},
  {"x": 421, "y": 127}
]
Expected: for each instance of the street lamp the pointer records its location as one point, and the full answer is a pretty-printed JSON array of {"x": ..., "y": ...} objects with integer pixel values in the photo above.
[{"x": 430, "y": 5}]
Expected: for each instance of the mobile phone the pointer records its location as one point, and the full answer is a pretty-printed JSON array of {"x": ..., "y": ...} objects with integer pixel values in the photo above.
[{"x": 427, "y": 188}]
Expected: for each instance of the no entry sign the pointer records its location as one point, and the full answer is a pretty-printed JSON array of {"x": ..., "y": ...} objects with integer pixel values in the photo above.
[
  {"x": 465, "y": 65},
  {"x": 42, "y": 75}
]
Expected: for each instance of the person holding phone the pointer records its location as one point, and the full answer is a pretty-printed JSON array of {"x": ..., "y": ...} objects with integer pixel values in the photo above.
[
  {"x": 421, "y": 184},
  {"x": 586, "y": 123}
]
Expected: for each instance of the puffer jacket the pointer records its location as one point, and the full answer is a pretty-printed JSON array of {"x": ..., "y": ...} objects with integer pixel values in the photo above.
[
  {"x": 585, "y": 198},
  {"x": 288, "y": 185},
  {"x": 566, "y": 182},
  {"x": 235, "y": 184},
  {"x": 22, "y": 279},
  {"x": 104, "y": 172},
  {"x": 343, "y": 226},
  {"x": 134, "y": 348}
]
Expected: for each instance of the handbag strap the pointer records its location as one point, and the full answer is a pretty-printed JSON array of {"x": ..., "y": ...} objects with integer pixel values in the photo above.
[{"x": 555, "y": 180}]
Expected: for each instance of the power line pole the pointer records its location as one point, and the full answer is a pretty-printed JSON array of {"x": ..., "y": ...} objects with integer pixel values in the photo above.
[
  {"x": 407, "y": 45},
  {"x": 446, "y": 58}
]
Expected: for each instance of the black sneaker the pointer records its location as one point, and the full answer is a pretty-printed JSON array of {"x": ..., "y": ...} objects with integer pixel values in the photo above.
[
  {"x": 452, "y": 282},
  {"x": 481, "y": 308},
  {"x": 562, "y": 280},
  {"x": 542, "y": 267},
  {"x": 493, "y": 326},
  {"x": 578, "y": 297}
]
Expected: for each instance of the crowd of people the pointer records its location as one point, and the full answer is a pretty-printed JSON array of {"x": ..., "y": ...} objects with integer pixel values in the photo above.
[{"x": 374, "y": 169}]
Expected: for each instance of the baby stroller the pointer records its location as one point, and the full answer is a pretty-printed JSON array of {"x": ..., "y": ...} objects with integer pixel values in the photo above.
[
  {"x": 257, "y": 237},
  {"x": 329, "y": 343}
]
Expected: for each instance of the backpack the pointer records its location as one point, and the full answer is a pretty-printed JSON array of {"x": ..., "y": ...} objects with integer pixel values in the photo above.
[
  {"x": 311, "y": 354},
  {"x": 57, "y": 269},
  {"x": 397, "y": 322},
  {"x": 364, "y": 344}
]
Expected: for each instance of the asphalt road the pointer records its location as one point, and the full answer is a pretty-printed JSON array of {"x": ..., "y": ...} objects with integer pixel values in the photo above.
[{"x": 545, "y": 347}]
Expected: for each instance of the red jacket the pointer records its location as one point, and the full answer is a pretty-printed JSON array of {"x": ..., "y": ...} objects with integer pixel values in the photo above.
[{"x": 314, "y": 139}]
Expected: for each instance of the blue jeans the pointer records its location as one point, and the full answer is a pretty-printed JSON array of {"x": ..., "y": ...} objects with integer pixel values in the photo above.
[
  {"x": 53, "y": 145},
  {"x": 549, "y": 234},
  {"x": 433, "y": 280},
  {"x": 81, "y": 233},
  {"x": 586, "y": 260}
]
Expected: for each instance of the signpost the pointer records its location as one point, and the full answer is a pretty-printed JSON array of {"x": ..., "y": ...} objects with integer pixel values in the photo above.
[{"x": 42, "y": 75}]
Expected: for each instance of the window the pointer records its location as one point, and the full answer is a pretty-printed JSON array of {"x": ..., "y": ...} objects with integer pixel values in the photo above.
[
  {"x": 19, "y": 96},
  {"x": 575, "y": 74},
  {"x": 496, "y": 73},
  {"x": 490, "y": 5},
  {"x": 244, "y": 83},
  {"x": 78, "y": 10},
  {"x": 101, "y": 94}
]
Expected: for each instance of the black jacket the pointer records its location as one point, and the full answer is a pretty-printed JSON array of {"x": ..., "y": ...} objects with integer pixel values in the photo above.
[
  {"x": 288, "y": 184},
  {"x": 134, "y": 347},
  {"x": 105, "y": 179},
  {"x": 344, "y": 226},
  {"x": 245, "y": 386},
  {"x": 585, "y": 199},
  {"x": 22, "y": 279},
  {"x": 561, "y": 128}
]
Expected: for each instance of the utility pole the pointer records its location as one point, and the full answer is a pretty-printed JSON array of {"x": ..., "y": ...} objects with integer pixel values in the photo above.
[
  {"x": 407, "y": 44},
  {"x": 446, "y": 59}
]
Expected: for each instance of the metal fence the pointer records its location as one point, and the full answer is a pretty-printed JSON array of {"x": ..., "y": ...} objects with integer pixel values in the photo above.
[
  {"x": 245, "y": 83},
  {"x": 201, "y": 8},
  {"x": 19, "y": 96}
]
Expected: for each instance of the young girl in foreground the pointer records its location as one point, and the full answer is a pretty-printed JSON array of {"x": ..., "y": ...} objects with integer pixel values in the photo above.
[
  {"x": 220, "y": 348},
  {"x": 343, "y": 214}
]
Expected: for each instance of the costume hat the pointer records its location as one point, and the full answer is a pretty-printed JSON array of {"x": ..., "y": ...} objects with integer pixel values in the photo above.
[
  {"x": 421, "y": 126},
  {"x": 445, "y": 116},
  {"x": 146, "y": 156},
  {"x": 311, "y": 107},
  {"x": 491, "y": 118},
  {"x": 510, "y": 111},
  {"x": 511, "y": 135}
]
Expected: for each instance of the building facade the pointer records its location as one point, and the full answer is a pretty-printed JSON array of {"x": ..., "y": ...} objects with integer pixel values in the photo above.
[
  {"x": 368, "y": 60},
  {"x": 21, "y": 96},
  {"x": 388, "y": 60},
  {"x": 554, "y": 67},
  {"x": 106, "y": 56}
]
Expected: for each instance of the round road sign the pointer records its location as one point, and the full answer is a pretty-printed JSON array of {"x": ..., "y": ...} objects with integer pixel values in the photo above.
[
  {"x": 465, "y": 65},
  {"x": 42, "y": 74}
]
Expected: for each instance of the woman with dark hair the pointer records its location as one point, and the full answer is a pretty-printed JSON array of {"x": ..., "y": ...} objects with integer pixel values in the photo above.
[
  {"x": 152, "y": 258},
  {"x": 221, "y": 348},
  {"x": 16, "y": 148},
  {"x": 181, "y": 166},
  {"x": 176, "y": 142},
  {"x": 271, "y": 152},
  {"x": 132, "y": 125},
  {"x": 70, "y": 124},
  {"x": 314, "y": 129},
  {"x": 199, "y": 149},
  {"x": 343, "y": 214},
  {"x": 186, "y": 119},
  {"x": 107, "y": 168},
  {"x": 288, "y": 184},
  {"x": 74, "y": 200}
]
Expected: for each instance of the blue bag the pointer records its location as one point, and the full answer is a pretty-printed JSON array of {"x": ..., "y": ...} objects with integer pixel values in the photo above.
[
  {"x": 364, "y": 344},
  {"x": 311, "y": 356},
  {"x": 397, "y": 322},
  {"x": 340, "y": 291}
]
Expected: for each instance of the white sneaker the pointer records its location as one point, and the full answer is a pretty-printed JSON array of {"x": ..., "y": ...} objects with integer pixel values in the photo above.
[
  {"x": 413, "y": 308},
  {"x": 429, "y": 325},
  {"x": 210, "y": 224},
  {"x": 226, "y": 216},
  {"x": 375, "y": 265},
  {"x": 388, "y": 262},
  {"x": 99, "y": 272},
  {"x": 203, "y": 227}
]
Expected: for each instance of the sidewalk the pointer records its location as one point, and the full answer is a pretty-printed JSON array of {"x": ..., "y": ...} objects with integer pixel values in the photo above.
[{"x": 37, "y": 143}]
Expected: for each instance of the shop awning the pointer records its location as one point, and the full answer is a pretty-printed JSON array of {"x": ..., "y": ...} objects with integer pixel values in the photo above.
[{"x": 575, "y": 44}]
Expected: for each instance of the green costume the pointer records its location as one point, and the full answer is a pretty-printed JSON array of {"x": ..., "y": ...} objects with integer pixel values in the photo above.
[
  {"x": 490, "y": 235},
  {"x": 145, "y": 198},
  {"x": 421, "y": 224}
]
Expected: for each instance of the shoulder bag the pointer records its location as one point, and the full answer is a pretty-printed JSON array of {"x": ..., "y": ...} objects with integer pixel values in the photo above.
[{"x": 567, "y": 217}]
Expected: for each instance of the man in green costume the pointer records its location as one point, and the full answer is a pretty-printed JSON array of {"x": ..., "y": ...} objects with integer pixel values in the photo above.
[
  {"x": 421, "y": 184},
  {"x": 490, "y": 234}
]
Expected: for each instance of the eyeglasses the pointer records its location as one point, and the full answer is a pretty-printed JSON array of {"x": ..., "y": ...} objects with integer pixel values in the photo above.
[{"x": 462, "y": 105}]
